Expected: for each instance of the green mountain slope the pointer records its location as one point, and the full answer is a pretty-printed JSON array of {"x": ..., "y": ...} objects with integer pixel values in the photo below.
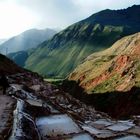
[
  {"x": 60, "y": 55},
  {"x": 114, "y": 69},
  {"x": 26, "y": 40}
]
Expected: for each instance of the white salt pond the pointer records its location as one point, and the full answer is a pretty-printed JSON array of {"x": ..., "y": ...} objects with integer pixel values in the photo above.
[
  {"x": 128, "y": 138},
  {"x": 56, "y": 125},
  {"x": 91, "y": 130},
  {"x": 119, "y": 127},
  {"x": 81, "y": 137},
  {"x": 102, "y": 122},
  {"x": 97, "y": 132}
]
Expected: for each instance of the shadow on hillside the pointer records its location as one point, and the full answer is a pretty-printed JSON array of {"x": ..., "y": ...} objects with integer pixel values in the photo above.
[{"x": 119, "y": 105}]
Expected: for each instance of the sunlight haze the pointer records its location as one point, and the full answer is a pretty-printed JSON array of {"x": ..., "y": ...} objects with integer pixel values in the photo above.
[{"x": 17, "y": 16}]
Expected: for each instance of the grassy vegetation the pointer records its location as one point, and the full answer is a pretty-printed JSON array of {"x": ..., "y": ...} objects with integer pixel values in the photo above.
[
  {"x": 117, "y": 68},
  {"x": 138, "y": 75},
  {"x": 107, "y": 86},
  {"x": 55, "y": 81},
  {"x": 69, "y": 48},
  {"x": 93, "y": 68}
]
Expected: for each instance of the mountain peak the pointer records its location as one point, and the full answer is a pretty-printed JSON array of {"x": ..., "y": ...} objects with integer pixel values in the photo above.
[
  {"x": 116, "y": 17},
  {"x": 26, "y": 40}
]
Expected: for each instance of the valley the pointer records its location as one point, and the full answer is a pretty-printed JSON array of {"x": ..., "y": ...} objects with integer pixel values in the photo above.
[
  {"x": 78, "y": 83},
  {"x": 61, "y": 54}
]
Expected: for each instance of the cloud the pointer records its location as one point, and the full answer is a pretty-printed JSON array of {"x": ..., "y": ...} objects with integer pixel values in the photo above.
[
  {"x": 91, "y": 6},
  {"x": 53, "y": 13},
  {"x": 14, "y": 19},
  {"x": 62, "y": 13},
  {"x": 57, "y": 13}
]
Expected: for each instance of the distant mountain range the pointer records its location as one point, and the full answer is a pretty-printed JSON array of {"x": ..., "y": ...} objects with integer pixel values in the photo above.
[
  {"x": 114, "y": 69},
  {"x": 60, "y": 55},
  {"x": 26, "y": 40}
]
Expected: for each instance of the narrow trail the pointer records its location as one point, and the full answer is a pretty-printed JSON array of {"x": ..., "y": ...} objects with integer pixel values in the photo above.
[{"x": 59, "y": 116}]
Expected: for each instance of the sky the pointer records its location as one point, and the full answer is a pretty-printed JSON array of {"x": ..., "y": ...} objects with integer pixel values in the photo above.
[{"x": 17, "y": 16}]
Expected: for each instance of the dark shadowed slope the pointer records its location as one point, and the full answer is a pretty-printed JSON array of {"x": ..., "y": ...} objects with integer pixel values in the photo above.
[
  {"x": 19, "y": 57},
  {"x": 8, "y": 67}
]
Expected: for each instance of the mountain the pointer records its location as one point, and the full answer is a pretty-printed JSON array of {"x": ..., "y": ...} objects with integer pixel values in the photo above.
[
  {"x": 60, "y": 55},
  {"x": 114, "y": 69},
  {"x": 2, "y": 41},
  {"x": 19, "y": 57},
  {"x": 26, "y": 40}
]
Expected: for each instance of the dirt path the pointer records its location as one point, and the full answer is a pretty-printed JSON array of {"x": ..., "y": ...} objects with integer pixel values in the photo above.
[{"x": 6, "y": 115}]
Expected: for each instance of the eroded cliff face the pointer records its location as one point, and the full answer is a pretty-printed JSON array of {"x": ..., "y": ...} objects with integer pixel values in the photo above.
[{"x": 115, "y": 69}]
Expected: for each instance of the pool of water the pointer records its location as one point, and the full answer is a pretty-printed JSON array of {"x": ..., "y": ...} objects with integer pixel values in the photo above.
[
  {"x": 56, "y": 125},
  {"x": 119, "y": 127},
  {"x": 81, "y": 137},
  {"x": 128, "y": 138}
]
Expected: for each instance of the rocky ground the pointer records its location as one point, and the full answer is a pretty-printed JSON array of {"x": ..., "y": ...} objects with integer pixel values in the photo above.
[{"x": 45, "y": 112}]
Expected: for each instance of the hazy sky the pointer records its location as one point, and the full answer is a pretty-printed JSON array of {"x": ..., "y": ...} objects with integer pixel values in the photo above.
[{"x": 17, "y": 16}]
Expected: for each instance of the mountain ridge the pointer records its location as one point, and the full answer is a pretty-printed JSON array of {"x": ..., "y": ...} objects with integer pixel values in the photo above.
[
  {"x": 26, "y": 40},
  {"x": 108, "y": 16},
  {"x": 60, "y": 55}
]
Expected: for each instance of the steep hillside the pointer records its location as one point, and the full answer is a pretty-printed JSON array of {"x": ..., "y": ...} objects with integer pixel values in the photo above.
[
  {"x": 60, "y": 55},
  {"x": 26, "y": 40},
  {"x": 8, "y": 67},
  {"x": 19, "y": 57},
  {"x": 115, "y": 69}
]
